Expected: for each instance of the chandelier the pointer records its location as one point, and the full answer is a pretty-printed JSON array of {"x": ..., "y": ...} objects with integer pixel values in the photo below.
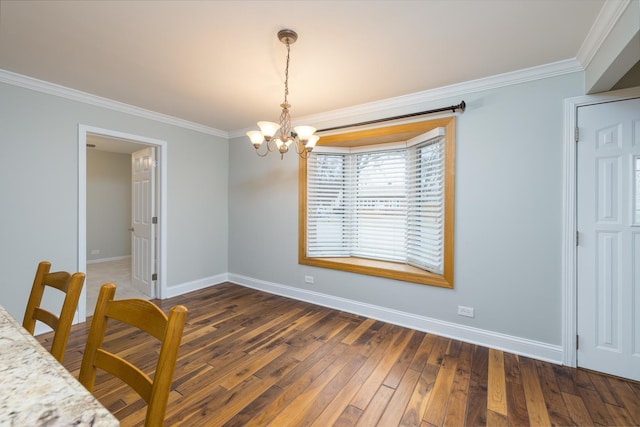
[{"x": 281, "y": 134}]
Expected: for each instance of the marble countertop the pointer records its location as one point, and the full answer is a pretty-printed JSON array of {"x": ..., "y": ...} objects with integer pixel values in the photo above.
[{"x": 36, "y": 390}]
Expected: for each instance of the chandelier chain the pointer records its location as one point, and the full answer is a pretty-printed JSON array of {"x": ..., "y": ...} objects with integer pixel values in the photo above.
[{"x": 286, "y": 74}]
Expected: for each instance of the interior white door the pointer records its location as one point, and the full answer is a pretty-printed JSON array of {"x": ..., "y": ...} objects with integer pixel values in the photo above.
[
  {"x": 143, "y": 166},
  {"x": 608, "y": 221}
]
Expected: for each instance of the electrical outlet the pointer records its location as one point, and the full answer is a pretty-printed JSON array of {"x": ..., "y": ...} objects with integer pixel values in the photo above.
[
  {"x": 95, "y": 251},
  {"x": 308, "y": 279},
  {"x": 465, "y": 311}
]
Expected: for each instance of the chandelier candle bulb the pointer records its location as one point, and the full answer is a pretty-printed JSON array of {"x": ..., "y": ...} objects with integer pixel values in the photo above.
[{"x": 302, "y": 137}]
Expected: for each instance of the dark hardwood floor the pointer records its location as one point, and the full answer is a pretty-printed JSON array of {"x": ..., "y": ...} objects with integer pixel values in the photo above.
[{"x": 249, "y": 358}]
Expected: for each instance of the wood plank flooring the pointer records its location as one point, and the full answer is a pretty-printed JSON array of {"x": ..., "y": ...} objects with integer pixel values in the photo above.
[{"x": 249, "y": 358}]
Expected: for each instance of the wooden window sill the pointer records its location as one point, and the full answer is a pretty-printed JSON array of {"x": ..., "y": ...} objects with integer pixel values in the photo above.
[{"x": 386, "y": 269}]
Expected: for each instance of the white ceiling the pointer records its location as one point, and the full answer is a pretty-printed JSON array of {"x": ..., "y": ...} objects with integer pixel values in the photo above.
[{"x": 219, "y": 63}]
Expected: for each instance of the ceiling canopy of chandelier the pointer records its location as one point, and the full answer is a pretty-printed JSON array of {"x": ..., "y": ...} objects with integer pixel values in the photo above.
[{"x": 280, "y": 133}]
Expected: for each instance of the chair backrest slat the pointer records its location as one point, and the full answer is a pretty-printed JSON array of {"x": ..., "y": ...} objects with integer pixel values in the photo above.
[
  {"x": 45, "y": 316},
  {"x": 120, "y": 367},
  {"x": 140, "y": 314}
]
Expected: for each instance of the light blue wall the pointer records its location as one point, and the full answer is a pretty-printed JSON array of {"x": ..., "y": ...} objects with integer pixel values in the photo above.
[
  {"x": 108, "y": 204},
  {"x": 230, "y": 211},
  {"x": 39, "y": 190},
  {"x": 508, "y": 217}
]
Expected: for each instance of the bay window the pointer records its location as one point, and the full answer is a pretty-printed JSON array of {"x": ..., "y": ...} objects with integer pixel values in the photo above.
[{"x": 381, "y": 203}]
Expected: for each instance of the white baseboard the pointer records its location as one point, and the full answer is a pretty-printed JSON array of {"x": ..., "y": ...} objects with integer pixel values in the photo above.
[
  {"x": 115, "y": 258},
  {"x": 522, "y": 346},
  {"x": 196, "y": 285}
]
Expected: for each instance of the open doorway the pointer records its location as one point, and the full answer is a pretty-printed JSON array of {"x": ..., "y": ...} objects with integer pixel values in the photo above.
[
  {"x": 107, "y": 214},
  {"x": 109, "y": 217}
]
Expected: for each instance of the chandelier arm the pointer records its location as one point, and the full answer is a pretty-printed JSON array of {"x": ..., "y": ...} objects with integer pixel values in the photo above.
[
  {"x": 305, "y": 154},
  {"x": 268, "y": 149},
  {"x": 301, "y": 150},
  {"x": 261, "y": 155},
  {"x": 272, "y": 148},
  {"x": 299, "y": 146}
]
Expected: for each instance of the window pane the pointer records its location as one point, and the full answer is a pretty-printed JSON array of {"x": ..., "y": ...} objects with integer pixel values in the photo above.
[
  {"x": 327, "y": 227},
  {"x": 426, "y": 215},
  {"x": 381, "y": 205}
]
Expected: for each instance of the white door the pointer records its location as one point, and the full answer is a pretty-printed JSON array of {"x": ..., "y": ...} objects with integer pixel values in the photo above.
[
  {"x": 143, "y": 226},
  {"x": 608, "y": 221}
]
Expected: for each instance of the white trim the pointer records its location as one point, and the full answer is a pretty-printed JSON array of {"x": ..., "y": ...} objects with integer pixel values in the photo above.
[
  {"x": 196, "y": 285},
  {"x": 101, "y": 260},
  {"x": 331, "y": 149},
  {"x": 602, "y": 26},
  {"x": 569, "y": 212},
  {"x": 81, "y": 313},
  {"x": 432, "y": 134},
  {"x": 417, "y": 99},
  {"x": 517, "y": 345},
  {"x": 568, "y": 260},
  {"x": 412, "y": 100},
  {"x": 83, "y": 130},
  {"x": 87, "y": 98}
]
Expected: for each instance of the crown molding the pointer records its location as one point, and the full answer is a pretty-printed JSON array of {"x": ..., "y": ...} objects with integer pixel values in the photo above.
[
  {"x": 418, "y": 99},
  {"x": 98, "y": 101},
  {"x": 602, "y": 26}
]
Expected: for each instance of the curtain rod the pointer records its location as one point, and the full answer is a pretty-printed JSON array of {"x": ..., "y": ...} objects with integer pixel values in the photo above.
[{"x": 451, "y": 108}]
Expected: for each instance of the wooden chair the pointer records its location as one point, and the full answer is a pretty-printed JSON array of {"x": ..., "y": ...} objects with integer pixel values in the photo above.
[
  {"x": 71, "y": 285},
  {"x": 148, "y": 317}
]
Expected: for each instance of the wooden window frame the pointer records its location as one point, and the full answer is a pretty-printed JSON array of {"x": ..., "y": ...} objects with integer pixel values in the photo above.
[{"x": 387, "y": 269}]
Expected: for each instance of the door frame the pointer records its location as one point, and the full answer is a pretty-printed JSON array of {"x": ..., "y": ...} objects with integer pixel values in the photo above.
[
  {"x": 161, "y": 158},
  {"x": 569, "y": 216}
]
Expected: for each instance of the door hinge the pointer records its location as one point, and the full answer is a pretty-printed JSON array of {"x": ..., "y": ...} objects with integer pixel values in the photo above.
[
  {"x": 154, "y": 276},
  {"x": 577, "y": 342},
  {"x": 577, "y": 134},
  {"x": 154, "y": 220},
  {"x": 577, "y": 238},
  {"x": 154, "y": 163}
]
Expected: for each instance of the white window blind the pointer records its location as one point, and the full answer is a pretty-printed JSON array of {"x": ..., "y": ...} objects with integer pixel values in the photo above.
[
  {"x": 425, "y": 236},
  {"x": 380, "y": 211},
  {"x": 384, "y": 202},
  {"x": 328, "y": 224}
]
